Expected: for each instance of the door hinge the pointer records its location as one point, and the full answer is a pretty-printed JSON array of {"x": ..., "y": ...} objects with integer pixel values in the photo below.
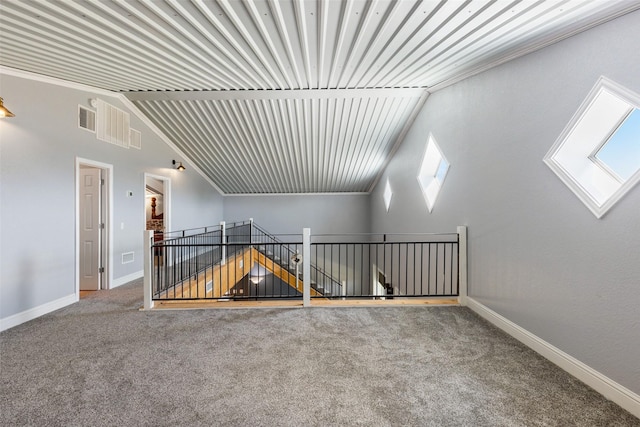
[
  {"x": 102, "y": 181},
  {"x": 101, "y": 270},
  {"x": 102, "y": 226}
]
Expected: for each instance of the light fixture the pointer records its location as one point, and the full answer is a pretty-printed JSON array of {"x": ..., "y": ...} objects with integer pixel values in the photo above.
[
  {"x": 4, "y": 112},
  {"x": 256, "y": 279},
  {"x": 179, "y": 167},
  {"x": 257, "y": 274}
]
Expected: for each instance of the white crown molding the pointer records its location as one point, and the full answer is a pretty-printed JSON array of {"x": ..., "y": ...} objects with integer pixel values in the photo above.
[
  {"x": 222, "y": 95},
  {"x": 604, "y": 385},
  {"x": 296, "y": 194},
  {"x": 56, "y": 81}
]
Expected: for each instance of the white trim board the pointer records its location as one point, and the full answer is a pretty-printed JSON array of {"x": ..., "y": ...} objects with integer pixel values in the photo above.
[
  {"x": 126, "y": 279},
  {"x": 56, "y": 81},
  {"x": 41, "y": 310},
  {"x": 223, "y": 95},
  {"x": 35, "y": 312},
  {"x": 353, "y": 193},
  {"x": 604, "y": 385}
]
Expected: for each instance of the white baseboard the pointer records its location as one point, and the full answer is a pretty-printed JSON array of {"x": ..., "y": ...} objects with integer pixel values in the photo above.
[
  {"x": 599, "y": 382},
  {"x": 32, "y": 313},
  {"x": 126, "y": 279}
]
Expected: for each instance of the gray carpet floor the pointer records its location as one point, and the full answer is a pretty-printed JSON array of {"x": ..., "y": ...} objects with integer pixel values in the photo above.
[{"x": 102, "y": 362}]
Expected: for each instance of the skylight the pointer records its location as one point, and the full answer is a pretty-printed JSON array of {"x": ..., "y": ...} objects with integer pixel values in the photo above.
[
  {"x": 387, "y": 195},
  {"x": 598, "y": 154},
  {"x": 433, "y": 172},
  {"x": 621, "y": 153}
]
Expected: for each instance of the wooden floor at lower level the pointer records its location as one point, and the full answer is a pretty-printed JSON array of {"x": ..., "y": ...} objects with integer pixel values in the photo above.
[{"x": 198, "y": 304}]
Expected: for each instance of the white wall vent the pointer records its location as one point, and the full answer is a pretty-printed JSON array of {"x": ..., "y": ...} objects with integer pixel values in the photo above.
[
  {"x": 127, "y": 257},
  {"x": 86, "y": 119},
  {"x": 113, "y": 125},
  {"x": 135, "y": 139}
]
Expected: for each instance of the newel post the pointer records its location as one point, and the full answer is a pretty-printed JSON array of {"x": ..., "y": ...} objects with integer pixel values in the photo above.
[
  {"x": 250, "y": 231},
  {"x": 148, "y": 269},
  {"x": 306, "y": 267},
  {"x": 223, "y": 241}
]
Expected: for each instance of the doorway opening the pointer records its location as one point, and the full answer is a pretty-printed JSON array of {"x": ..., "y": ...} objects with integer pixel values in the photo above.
[
  {"x": 157, "y": 207},
  {"x": 93, "y": 226}
]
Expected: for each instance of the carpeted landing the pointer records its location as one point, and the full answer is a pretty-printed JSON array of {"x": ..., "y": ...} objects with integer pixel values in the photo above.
[{"x": 102, "y": 362}]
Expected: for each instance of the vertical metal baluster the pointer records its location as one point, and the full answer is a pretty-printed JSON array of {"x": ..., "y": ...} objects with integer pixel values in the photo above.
[
  {"x": 362, "y": 270},
  {"x": 421, "y": 268},
  {"x": 458, "y": 266},
  {"x": 429, "y": 269},
  {"x": 407, "y": 255},
  {"x": 451, "y": 270},
  {"x": 437, "y": 266}
]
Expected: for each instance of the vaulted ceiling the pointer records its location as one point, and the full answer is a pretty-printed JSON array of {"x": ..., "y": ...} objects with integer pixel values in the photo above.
[{"x": 283, "y": 96}]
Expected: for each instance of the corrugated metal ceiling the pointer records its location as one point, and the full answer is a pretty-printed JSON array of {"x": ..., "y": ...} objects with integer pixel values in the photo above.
[{"x": 283, "y": 96}]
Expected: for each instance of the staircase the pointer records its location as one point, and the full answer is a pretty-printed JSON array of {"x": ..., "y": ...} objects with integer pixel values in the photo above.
[
  {"x": 239, "y": 249},
  {"x": 285, "y": 256}
]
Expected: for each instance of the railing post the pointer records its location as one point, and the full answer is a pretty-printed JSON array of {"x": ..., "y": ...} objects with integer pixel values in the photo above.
[
  {"x": 223, "y": 241},
  {"x": 306, "y": 267},
  {"x": 343, "y": 291},
  {"x": 148, "y": 269},
  {"x": 462, "y": 265}
]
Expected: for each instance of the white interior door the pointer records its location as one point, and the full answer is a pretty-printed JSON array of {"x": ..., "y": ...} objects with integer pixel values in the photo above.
[{"x": 91, "y": 228}]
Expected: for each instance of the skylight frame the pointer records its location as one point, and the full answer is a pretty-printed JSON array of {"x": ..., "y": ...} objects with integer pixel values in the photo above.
[
  {"x": 431, "y": 176},
  {"x": 572, "y": 156},
  {"x": 387, "y": 195}
]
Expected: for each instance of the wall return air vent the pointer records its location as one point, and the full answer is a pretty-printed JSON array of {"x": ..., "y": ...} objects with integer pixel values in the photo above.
[
  {"x": 135, "y": 139},
  {"x": 86, "y": 119},
  {"x": 113, "y": 125}
]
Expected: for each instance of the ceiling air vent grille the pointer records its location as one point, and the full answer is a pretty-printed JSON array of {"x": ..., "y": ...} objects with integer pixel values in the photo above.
[
  {"x": 113, "y": 125},
  {"x": 135, "y": 139},
  {"x": 86, "y": 119}
]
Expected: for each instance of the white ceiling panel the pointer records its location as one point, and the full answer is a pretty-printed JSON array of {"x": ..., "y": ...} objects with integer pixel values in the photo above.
[
  {"x": 250, "y": 90},
  {"x": 304, "y": 141}
]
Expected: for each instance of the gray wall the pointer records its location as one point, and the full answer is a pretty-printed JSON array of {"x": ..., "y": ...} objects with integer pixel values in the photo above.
[
  {"x": 537, "y": 255},
  {"x": 38, "y": 150},
  {"x": 324, "y": 214}
]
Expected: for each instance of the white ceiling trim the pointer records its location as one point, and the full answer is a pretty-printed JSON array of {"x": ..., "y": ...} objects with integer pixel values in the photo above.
[
  {"x": 299, "y": 194},
  {"x": 216, "y": 95},
  {"x": 9, "y": 71}
]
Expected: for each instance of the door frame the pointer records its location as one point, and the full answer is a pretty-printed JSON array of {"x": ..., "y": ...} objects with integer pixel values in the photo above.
[
  {"x": 107, "y": 200},
  {"x": 166, "y": 200}
]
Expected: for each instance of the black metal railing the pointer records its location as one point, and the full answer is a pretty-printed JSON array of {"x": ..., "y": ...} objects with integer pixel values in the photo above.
[
  {"x": 370, "y": 269},
  {"x": 183, "y": 255},
  {"x": 243, "y": 261},
  {"x": 322, "y": 283},
  {"x": 240, "y": 262}
]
